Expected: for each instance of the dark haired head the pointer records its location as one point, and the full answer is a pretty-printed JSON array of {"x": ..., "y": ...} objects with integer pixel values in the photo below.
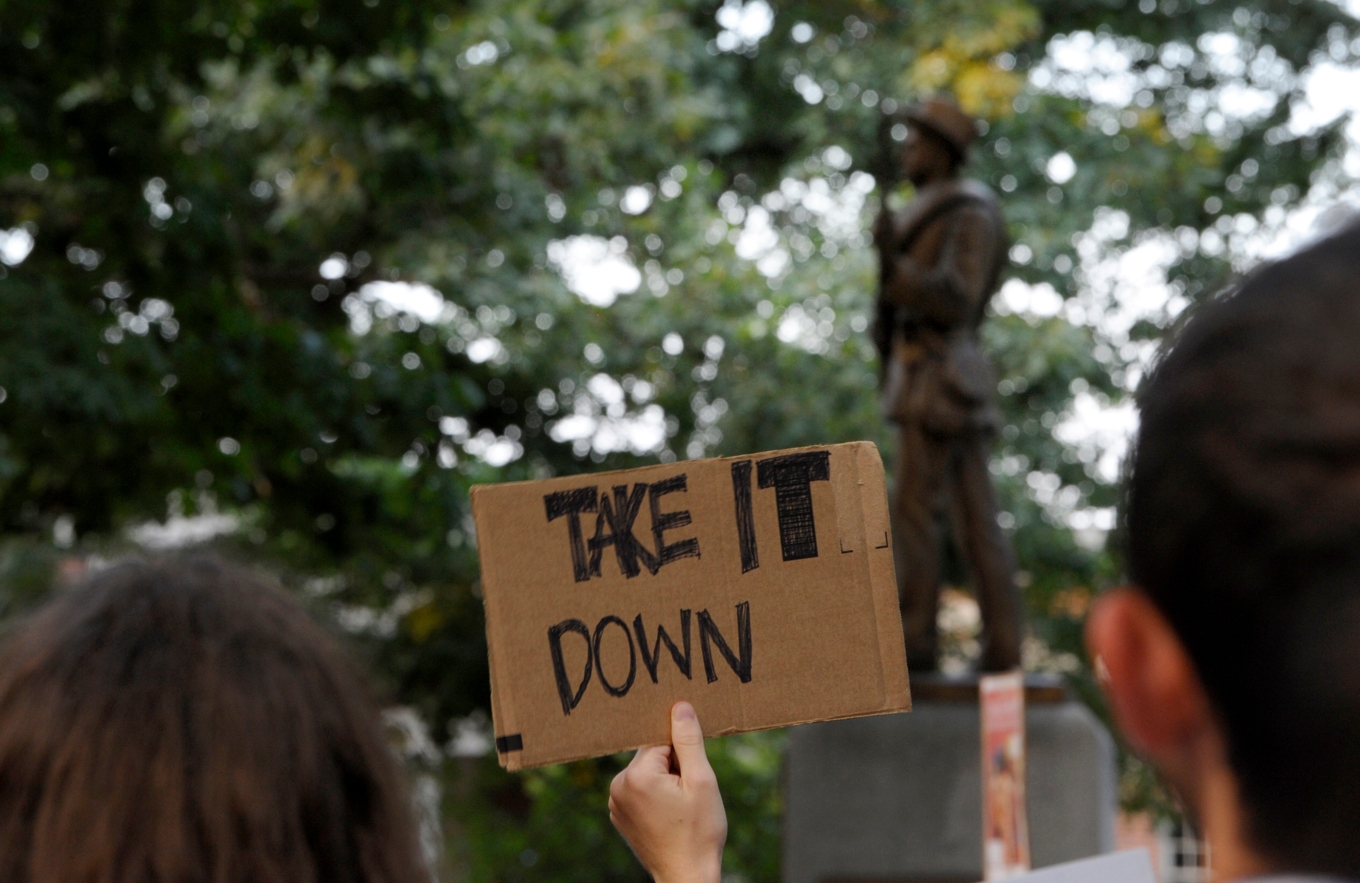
[
  {"x": 1243, "y": 525},
  {"x": 188, "y": 722}
]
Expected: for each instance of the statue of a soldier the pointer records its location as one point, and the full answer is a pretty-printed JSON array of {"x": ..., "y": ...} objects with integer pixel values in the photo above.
[{"x": 940, "y": 262}]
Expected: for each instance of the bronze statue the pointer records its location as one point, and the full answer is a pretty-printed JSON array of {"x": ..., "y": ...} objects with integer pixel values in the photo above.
[{"x": 940, "y": 260}]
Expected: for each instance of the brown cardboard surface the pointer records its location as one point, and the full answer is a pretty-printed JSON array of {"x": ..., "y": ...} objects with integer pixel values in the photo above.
[{"x": 771, "y": 574}]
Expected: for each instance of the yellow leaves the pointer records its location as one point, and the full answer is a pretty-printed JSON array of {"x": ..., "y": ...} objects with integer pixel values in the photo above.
[
  {"x": 1006, "y": 25},
  {"x": 1072, "y": 603},
  {"x": 424, "y": 621},
  {"x": 981, "y": 88},
  {"x": 323, "y": 180},
  {"x": 1152, "y": 122},
  {"x": 584, "y": 773},
  {"x": 985, "y": 90},
  {"x": 629, "y": 49},
  {"x": 962, "y": 61},
  {"x": 933, "y": 70}
]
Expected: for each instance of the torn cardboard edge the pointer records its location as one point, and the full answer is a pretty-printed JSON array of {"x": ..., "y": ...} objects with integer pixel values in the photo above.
[{"x": 759, "y": 588}]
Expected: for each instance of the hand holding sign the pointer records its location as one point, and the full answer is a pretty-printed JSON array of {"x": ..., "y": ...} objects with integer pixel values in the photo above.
[
  {"x": 667, "y": 806},
  {"x": 758, "y": 588}
]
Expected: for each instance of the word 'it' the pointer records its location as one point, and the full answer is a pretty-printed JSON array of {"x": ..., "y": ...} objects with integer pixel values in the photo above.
[
  {"x": 791, "y": 476},
  {"x": 710, "y": 638},
  {"x": 616, "y": 510}
]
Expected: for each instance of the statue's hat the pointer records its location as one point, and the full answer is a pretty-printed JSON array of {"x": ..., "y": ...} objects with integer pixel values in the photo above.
[{"x": 944, "y": 118}]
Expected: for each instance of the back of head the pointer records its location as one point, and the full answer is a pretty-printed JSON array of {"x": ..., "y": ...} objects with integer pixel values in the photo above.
[
  {"x": 188, "y": 722},
  {"x": 1243, "y": 524}
]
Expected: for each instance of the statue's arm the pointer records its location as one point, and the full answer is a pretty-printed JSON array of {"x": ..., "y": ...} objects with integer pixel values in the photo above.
[
  {"x": 885, "y": 238},
  {"x": 948, "y": 293}
]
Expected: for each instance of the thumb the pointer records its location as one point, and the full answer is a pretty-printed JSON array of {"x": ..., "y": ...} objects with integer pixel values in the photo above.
[{"x": 688, "y": 738}]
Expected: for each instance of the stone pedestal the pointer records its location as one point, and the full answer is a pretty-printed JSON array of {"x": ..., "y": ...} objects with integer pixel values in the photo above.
[{"x": 898, "y": 798}]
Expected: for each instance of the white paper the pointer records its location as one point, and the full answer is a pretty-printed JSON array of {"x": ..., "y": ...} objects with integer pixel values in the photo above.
[{"x": 1129, "y": 866}]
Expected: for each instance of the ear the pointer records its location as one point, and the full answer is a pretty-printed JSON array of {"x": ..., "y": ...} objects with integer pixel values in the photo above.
[{"x": 1151, "y": 683}]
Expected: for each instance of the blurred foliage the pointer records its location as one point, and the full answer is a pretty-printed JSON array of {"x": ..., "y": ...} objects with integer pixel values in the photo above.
[
  {"x": 221, "y": 194},
  {"x": 548, "y": 823}
]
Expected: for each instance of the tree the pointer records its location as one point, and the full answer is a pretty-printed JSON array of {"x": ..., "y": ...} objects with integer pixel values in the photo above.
[{"x": 311, "y": 267}]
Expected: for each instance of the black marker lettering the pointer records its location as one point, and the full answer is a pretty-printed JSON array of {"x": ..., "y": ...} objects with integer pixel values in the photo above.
[
  {"x": 650, "y": 658},
  {"x": 709, "y": 637},
  {"x": 572, "y": 504},
  {"x": 740, "y": 663},
  {"x": 620, "y": 516},
  {"x": 597, "y": 543},
  {"x": 629, "y": 549},
  {"x": 746, "y": 516},
  {"x": 569, "y": 699},
  {"x": 632, "y": 657},
  {"x": 791, "y": 476},
  {"x": 670, "y": 521}
]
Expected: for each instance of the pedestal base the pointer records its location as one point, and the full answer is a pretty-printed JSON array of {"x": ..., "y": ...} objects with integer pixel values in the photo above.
[{"x": 897, "y": 798}]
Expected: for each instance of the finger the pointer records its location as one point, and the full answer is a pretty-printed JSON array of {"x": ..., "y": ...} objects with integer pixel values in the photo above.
[
  {"x": 652, "y": 760},
  {"x": 688, "y": 738}
]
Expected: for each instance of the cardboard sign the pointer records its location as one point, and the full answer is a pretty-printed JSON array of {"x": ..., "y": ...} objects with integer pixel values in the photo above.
[
  {"x": 1005, "y": 824},
  {"x": 759, "y": 588}
]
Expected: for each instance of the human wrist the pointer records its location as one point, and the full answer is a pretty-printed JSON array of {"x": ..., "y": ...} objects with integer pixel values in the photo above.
[{"x": 706, "y": 872}]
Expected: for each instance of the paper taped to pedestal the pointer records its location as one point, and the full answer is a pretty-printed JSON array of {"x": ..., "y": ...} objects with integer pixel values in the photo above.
[
  {"x": 759, "y": 588},
  {"x": 1005, "y": 820}
]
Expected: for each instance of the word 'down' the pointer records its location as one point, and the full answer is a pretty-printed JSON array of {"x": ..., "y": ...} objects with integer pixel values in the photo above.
[{"x": 710, "y": 639}]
